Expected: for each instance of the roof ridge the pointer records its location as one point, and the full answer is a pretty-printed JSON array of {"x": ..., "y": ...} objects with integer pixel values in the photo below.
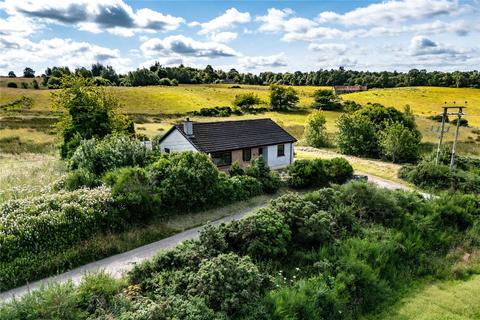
[{"x": 229, "y": 121}]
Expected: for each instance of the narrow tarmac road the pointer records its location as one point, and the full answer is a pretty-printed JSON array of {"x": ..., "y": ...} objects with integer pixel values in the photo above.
[{"x": 118, "y": 264}]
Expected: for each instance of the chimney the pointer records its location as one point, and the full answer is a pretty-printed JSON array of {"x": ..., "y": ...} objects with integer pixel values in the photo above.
[{"x": 188, "y": 127}]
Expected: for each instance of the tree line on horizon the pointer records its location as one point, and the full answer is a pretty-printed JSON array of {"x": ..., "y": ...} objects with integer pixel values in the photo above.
[{"x": 157, "y": 74}]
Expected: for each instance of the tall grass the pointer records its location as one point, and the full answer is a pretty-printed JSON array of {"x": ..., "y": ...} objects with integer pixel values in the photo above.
[{"x": 27, "y": 175}]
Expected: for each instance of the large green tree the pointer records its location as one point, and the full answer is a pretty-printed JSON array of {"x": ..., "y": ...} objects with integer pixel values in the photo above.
[
  {"x": 88, "y": 112},
  {"x": 283, "y": 98},
  {"x": 325, "y": 100}
]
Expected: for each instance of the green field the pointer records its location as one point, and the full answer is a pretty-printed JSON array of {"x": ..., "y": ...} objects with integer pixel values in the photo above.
[
  {"x": 155, "y": 108},
  {"x": 424, "y": 101}
]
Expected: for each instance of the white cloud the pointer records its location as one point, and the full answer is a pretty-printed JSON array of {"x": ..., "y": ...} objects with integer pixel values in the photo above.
[
  {"x": 223, "y": 36},
  {"x": 337, "y": 48},
  {"x": 231, "y": 18},
  {"x": 278, "y": 20},
  {"x": 391, "y": 12},
  {"x": 278, "y": 60},
  {"x": 56, "y": 51},
  {"x": 114, "y": 16},
  {"x": 183, "y": 46},
  {"x": 423, "y": 46}
]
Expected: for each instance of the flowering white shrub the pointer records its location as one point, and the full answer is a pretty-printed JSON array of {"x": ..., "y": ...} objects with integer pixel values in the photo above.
[{"x": 54, "y": 221}]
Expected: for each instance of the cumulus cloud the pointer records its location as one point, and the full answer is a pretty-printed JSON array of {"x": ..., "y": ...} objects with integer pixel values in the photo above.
[
  {"x": 114, "y": 16},
  {"x": 423, "y": 46},
  {"x": 298, "y": 28},
  {"x": 278, "y": 60},
  {"x": 185, "y": 46},
  {"x": 231, "y": 18},
  {"x": 57, "y": 51},
  {"x": 390, "y": 12},
  {"x": 277, "y": 20}
]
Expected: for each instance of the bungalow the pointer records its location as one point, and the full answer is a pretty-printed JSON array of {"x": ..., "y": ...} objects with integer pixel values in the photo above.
[{"x": 229, "y": 141}]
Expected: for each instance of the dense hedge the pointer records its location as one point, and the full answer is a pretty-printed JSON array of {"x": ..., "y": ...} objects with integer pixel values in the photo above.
[
  {"x": 175, "y": 183},
  {"x": 114, "y": 151},
  {"x": 429, "y": 175},
  {"x": 51, "y": 223},
  {"x": 335, "y": 253},
  {"x": 318, "y": 172}
]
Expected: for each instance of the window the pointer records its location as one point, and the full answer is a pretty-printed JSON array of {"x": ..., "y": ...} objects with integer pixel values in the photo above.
[
  {"x": 280, "y": 150},
  {"x": 223, "y": 158},
  {"x": 260, "y": 151},
  {"x": 167, "y": 150},
  {"x": 247, "y": 154}
]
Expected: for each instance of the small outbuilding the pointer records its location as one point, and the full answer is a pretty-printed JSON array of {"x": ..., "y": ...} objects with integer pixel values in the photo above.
[{"x": 228, "y": 141}]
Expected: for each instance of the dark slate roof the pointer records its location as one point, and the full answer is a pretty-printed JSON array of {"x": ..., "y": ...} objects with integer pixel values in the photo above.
[{"x": 230, "y": 135}]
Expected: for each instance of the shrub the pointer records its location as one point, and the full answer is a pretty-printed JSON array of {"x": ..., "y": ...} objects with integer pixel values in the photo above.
[
  {"x": 53, "y": 222},
  {"x": 164, "y": 82},
  {"x": 35, "y": 84},
  {"x": 315, "y": 130},
  {"x": 245, "y": 101},
  {"x": 81, "y": 178},
  {"x": 132, "y": 192},
  {"x": 368, "y": 132},
  {"x": 427, "y": 174},
  {"x": 54, "y": 82},
  {"x": 228, "y": 283},
  {"x": 324, "y": 99},
  {"x": 357, "y": 136},
  {"x": 400, "y": 144},
  {"x": 258, "y": 169},
  {"x": 262, "y": 235},
  {"x": 216, "y": 112},
  {"x": 306, "y": 173},
  {"x": 56, "y": 301},
  {"x": 114, "y": 151},
  {"x": 236, "y": 170},
  {"x": 339, "y": 170},
  {"x": 351, "y": 106},
  {"x": 463, "y": 122},
  {"x": 12, "y": 85},
  {"x": 244, "y": 187},
  {"x": 96, "y": 292},
  {"x": 318, "y": 172},
  {"x": 24, "y": 85},
  {"x": 283, "y": 98},
  {"x": 185, "y": 175}
]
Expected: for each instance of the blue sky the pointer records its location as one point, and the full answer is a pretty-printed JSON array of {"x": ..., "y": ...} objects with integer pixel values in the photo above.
[{"x": 251, "y": 36}]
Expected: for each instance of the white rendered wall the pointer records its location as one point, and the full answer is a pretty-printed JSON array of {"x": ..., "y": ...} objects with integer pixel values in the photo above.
[
  {"x": 275, "y": 162},
  {"x": 175, "y": 141}
]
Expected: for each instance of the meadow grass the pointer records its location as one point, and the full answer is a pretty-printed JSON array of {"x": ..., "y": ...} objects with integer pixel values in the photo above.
[
  {"x": 442, "y": 300},
  {"x": 156, "y": 108},
  {"x": 27, "y": 174},
  {"x": 154, "y": 100},
  {"x": 424, "y": 101}
]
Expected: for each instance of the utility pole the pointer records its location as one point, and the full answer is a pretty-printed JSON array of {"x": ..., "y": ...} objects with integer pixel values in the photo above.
[
  {"x": 442, "y": 131},
  {"x": 459, "y": 115}
]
